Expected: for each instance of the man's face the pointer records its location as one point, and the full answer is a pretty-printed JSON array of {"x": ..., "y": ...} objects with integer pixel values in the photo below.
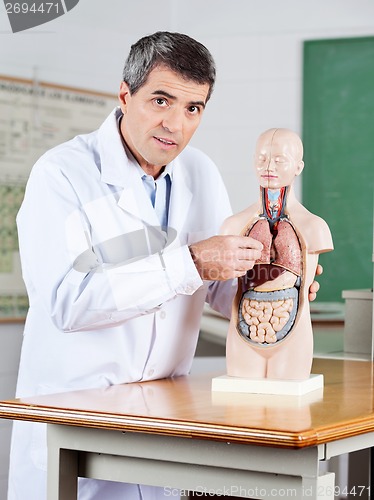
[
  {"x": 161, "y": 117},
  {"x": 278, "y": 159}
]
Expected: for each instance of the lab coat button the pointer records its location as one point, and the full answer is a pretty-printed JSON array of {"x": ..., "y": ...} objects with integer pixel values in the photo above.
[
  {"x": 162, "y": 314},
  {"x": 150, "y": 373}
]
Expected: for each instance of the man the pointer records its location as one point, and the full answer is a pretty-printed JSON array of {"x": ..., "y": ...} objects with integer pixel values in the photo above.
[
  {"x": 118, "y": 247},
  {"x": 110, "y": 239}
]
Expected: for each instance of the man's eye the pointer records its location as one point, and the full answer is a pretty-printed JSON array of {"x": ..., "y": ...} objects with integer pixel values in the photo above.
[
  {"x": 160, "y": 101},
  {"x": 194, "y": 110}
]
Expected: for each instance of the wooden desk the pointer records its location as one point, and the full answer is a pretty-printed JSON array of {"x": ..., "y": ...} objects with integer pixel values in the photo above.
[{"x": 176, "y": 433}]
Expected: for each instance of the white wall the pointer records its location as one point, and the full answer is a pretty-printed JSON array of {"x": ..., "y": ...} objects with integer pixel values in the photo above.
[{"x": 257, "y": 46}]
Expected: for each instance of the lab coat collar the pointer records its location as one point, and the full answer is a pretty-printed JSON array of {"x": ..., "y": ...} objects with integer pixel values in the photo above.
[
  {"x": 117, "y": 169},
  {"x": 115, "y": 162},
  {"x": 135, "y": 200},
  {"x": 181, "y": 195}
]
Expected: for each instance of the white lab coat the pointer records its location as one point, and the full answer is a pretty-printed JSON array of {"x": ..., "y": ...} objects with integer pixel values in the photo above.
[{"x": 99, "y": 314}]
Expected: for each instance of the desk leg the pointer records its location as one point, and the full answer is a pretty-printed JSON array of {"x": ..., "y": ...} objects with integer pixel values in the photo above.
[
  {"x": 62, "y": 472},
  {"x": 319, "y": 488}
]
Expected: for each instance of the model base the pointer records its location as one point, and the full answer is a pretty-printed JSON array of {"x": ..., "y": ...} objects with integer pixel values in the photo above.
[{"x": 224, "y": 383}]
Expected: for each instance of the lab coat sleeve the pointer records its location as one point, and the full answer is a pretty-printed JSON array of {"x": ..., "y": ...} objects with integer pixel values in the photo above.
[
  {"x": 101, "y": 295},
  {"x": 221, "y": 295}
]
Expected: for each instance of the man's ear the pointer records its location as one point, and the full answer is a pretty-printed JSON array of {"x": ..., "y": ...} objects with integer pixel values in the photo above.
[
  {"x": 300, "y": 167},
  {"x": 123, "y": 95}
]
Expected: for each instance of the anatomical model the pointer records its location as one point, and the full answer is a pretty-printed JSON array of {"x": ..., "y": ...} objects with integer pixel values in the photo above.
[{"x": 270, "y": 334}]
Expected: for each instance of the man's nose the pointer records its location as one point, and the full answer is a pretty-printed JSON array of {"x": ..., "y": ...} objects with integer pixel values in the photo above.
[{"x": 173, "y": 120}]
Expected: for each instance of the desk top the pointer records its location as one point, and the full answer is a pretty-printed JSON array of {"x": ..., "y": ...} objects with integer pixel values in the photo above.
[{"x": 186, "y": 407}]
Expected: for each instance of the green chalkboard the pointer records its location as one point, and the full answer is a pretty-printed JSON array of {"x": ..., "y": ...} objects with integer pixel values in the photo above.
[{"x": 338, "y": 137}]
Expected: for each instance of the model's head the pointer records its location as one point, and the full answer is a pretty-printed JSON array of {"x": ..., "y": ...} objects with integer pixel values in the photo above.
[
  {"x": 178, "y": 52},
  {"x": 278, "y": 158}
]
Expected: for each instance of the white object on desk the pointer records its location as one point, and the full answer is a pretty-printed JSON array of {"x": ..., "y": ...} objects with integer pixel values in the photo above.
[
  {"x": 358, "y": 321},
  {"x": 224, "y": 383}
]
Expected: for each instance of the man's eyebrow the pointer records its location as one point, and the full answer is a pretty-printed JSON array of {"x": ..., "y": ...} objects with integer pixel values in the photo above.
[
  {"x": 197, "y": 103},
  {"x": 164, "y": 93},
  {"x": 170, "y": 96}
]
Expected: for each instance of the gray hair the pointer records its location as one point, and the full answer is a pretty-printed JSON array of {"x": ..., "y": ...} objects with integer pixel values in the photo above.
[{"x": 181, "y": 53}]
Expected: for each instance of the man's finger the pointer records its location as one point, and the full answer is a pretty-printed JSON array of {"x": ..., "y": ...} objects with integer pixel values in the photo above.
[
  {"x": 248, "y": 242},
  {"x": 314, "y": 287},
  {"x": 249, "y": 254}
]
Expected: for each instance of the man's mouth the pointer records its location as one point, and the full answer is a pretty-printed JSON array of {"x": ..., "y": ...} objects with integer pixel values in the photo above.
[{"x": 167, "y": 142}]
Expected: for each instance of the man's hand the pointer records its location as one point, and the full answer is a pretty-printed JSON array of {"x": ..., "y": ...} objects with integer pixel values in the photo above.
[
  {"x": 225, "y": 257},
  {"x": 314, "y": 287}
]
